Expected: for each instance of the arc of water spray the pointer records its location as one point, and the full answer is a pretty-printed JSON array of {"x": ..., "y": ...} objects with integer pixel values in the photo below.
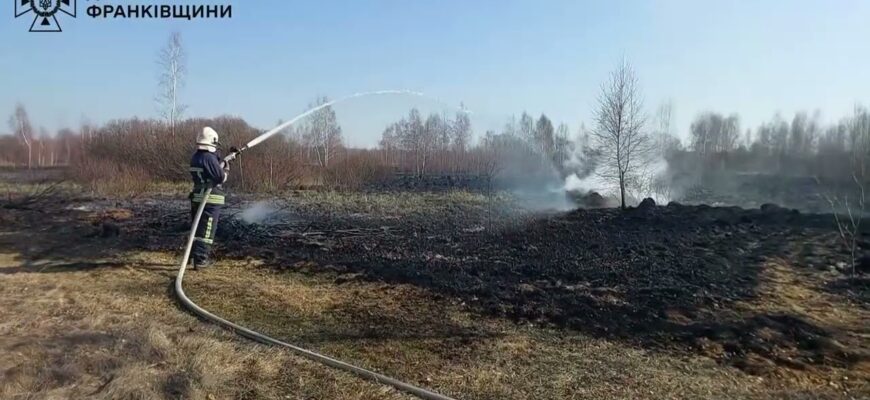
[{"x": 259, "y": 139}]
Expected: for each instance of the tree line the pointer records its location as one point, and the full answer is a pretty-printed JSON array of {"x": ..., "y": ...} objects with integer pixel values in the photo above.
[
  {"x": 802, "y": 145},
  {"x": 620, "y": 145},
  {"x": 444, "y": 143},
  {"x": 420, "y": 146},
  {"x": 28, "y": 146}
]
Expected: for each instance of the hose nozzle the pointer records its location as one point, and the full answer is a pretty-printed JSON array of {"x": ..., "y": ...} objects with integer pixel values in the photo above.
[{"x": 234, "y": 152}]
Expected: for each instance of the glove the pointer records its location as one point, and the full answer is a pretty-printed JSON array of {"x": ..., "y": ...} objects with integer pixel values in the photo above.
[{"x": 225, "y": 166}]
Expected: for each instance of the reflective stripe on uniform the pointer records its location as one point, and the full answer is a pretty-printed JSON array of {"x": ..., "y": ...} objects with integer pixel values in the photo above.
[
  {"x": 208, "y": 228},
  {"x": 212, "y": 198},
  {"x": 205, "y": 240}
]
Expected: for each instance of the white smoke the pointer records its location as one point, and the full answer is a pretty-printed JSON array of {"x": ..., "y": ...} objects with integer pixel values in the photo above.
[
  {"x": 257, "y": 212},
  {"x": 651, "y": 179},
  {"x": 659, "y": 186},
  {"x": 589, "y": 183}
]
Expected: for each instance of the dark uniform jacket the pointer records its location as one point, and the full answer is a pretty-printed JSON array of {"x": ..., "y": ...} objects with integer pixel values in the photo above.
[{"x": 206, "y": 171}]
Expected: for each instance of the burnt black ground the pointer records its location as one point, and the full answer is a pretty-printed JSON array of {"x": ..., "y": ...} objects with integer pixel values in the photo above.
[{"x": 665, "y": 278}]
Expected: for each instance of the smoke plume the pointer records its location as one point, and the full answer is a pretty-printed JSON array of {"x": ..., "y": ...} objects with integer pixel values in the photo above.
[{"x": 256, "y": 213}]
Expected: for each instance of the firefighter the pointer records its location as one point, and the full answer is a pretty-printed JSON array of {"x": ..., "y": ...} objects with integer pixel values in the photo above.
[{"x": 207, "y": 170}]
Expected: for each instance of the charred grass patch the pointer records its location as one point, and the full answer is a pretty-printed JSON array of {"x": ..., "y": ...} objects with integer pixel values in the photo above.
[
  {"x": 106, "y": 327},
  {"x": 725, "y": 283},
  {"x": 669, "y": 302},
  {"x": 436, "y": 341}
]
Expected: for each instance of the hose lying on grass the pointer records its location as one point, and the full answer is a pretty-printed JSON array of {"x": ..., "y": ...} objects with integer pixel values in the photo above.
[{"x": 259, "y": 337}]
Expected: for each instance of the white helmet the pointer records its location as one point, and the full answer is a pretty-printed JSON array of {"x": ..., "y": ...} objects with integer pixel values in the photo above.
[{"x": 207, "y": 140}]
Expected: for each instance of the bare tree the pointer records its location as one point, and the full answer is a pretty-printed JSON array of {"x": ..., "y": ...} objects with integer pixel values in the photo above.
[
  {"x": 619, "y": 128},
  {"x": 389, "y": 144},
  {"x": 423, "y": 140},
  {"x": 411, "y": 138},
  {"x": 544, "y": 136},
  {"x": 67, "y": 136},
  {"x": 42, "y": 138},
  {"x": 322, "y": 133},
  {"x": 665, "y": 115},
  {"x": 527, "y": 129},
  {"x": 172, "y": 60},
  {"x": 510, "y": 128},
  {"x": 859, "y": 140},
  {"x": 432, "y": 130},
  {"x": 19, "y": 122},
  {"x": 714, "y": 133},
  {"x": 562, "y": 146},
  {"x": 747, "y": 138},
  {"x": 665, "y": 141},
  {"x": 461, "y": 130}
]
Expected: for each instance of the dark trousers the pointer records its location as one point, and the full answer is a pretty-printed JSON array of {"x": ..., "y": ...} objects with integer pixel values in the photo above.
[{"x": 205, "y": 231}]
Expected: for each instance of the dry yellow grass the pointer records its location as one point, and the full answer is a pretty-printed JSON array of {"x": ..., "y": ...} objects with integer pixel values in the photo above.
[
  {"x": 116, "y": 333},
  {"x": 394, "y": 203},
  {"x": 82, "y": 319},
  {"x": 434, "y": 342}
]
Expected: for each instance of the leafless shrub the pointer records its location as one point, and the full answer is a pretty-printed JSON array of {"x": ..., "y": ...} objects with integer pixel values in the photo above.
[
  {"x": 272, "y": 168},
  {"x": 107, "y": 176},
  {"x": 126, "y": 155},
  {"x": 848, "y": 225},
  {"x": 650, "y": 183},
  {"x": 354, "y": 170}
]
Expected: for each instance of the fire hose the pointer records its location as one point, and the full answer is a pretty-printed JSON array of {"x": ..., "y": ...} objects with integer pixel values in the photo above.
[
  {"x": 259, "y": 337},
  {"x": 264, "y": 339}
]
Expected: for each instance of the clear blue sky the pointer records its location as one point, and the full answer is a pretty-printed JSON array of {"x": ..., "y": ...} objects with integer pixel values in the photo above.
[{"x": 498, "y": 57}]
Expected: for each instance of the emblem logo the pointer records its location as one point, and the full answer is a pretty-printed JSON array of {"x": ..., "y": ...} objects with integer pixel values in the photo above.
[{"x": 45, "y": 13}]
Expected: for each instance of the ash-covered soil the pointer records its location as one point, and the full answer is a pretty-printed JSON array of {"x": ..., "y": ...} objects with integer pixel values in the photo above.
[
  {"x": 766, "y": 290},
  {"x": 751, "y": 190}
]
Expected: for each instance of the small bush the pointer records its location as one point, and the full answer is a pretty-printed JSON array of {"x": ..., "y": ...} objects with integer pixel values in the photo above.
[
  {"x": 353, "y": 171},
  {"x": 105, "y": 176},
  {"x": 271, "y": 168},
  {"x": 126, "y": 156}
]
